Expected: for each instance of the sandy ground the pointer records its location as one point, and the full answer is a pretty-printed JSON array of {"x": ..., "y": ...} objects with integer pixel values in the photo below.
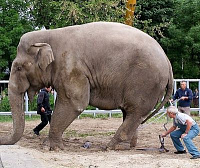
[{"x": 98, "y": 132}]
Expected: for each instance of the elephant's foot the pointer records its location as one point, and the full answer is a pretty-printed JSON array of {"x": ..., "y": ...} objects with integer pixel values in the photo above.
[
  {"x": 118, "y": 145},
  {"x": 133, "y": 142},
  {"x": 56, "y": 145}
]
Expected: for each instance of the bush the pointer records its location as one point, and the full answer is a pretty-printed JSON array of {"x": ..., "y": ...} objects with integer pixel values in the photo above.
[{"x": 5, "y": 105}]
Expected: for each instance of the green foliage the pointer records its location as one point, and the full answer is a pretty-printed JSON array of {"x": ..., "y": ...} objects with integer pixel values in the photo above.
[
  {"x": 90, "y": 107},
  {"x": 32, "y": 106},
  {"x": 4, "y": 104},
  {"x": 53, "y": 14},
  {"x": 153, "y": 17},
  {"x": 173, "y": 23},
  {"x": 13, "y": 23},
  {"x": 182, "y": 43}
]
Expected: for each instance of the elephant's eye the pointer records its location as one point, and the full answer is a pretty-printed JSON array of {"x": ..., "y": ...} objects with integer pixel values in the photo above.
[{"x": 19, "y": 68}]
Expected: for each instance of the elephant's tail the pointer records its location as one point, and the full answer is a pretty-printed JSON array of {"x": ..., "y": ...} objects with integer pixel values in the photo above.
[{"x": 169, "y": 90}]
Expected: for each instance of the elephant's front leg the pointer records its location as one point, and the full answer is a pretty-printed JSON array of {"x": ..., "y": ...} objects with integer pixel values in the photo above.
[
  {"x": 69, "y": 105},
  {"x": 63, "y": 116}
]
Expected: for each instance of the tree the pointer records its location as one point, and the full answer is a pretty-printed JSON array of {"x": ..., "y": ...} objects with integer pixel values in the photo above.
[
  {"x": 182, "y": 43},
  {"x": 153, "y": 17},
  {"x": 13, "y": 23},
  {"x": 54, "y": 14}
]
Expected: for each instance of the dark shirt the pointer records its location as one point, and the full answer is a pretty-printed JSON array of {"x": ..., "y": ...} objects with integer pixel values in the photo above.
[
  {"x": 43, "y": 101},
  {"x": 195, "y": 95},
  {"x": 186, "y": 93}
]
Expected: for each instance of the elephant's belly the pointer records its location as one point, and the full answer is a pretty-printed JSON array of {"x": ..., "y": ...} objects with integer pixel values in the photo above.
[{"x": 103, "y": 102}]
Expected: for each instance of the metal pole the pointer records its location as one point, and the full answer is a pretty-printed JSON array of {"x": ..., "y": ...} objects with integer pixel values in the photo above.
[
  {"x": 130, "y": 8},
  {"x": 188, "y": 84},
  {"x": 175, "y": 88},
  {"x": 26, "y": 104},
  {"x": 54, "y": 96}
]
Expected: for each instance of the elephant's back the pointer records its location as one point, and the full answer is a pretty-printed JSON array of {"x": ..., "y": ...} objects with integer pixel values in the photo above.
[
  {"x": 113, "y": 45},
  {"x": 108, "y": 38}
]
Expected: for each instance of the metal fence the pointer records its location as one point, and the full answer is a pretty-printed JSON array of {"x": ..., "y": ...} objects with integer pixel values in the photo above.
[{"x": 97, "y": 111}]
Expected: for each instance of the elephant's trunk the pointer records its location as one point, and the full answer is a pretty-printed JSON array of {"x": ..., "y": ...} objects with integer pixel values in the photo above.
[{"x": 17, "y": 108}]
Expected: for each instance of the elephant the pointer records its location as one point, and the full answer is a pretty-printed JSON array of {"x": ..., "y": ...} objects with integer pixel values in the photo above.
[{"x": 104, "y": 64}]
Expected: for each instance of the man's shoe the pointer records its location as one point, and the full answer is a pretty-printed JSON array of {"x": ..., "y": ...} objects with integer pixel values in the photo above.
[
  {"x": 180, "y": 152},
  {"x": 36, "y": 132},
  {"x": 195, "y": 157}
]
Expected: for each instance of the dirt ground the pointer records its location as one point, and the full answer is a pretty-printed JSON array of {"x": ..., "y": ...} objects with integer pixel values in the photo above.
[{"x": 99, "y": 132}]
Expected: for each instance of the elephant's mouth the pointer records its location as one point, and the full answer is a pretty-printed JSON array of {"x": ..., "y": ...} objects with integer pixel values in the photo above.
[{"x": 31, "y": 94}]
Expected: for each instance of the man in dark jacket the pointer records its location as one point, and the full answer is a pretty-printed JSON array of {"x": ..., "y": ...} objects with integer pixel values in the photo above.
[
  {"x": 185, "y": 96},
  {"x": 43, "y": 108}
]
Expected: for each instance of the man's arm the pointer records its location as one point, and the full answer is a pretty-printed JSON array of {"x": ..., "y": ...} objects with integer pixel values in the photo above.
[
  {"x": 169, "y": 131},
  {"x": 40, "y": 101},
  {"x": 175, "y": 95},
  {"x": 188, "y": 97},
  {"x": 189, "y": 125}
]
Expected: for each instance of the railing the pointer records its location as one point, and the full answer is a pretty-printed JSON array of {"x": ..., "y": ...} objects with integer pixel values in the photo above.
[{"x": 97, "y": 111}]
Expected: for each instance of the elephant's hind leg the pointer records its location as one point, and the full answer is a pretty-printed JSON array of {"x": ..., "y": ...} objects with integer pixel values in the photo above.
[{"x": 126, "y": 133}]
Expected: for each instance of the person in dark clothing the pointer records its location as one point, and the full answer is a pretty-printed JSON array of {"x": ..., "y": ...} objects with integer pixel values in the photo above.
[
  {"x": 196, "y": 98},
  {"x": 43, "y": 108},
  {"x": 185, "y": 96}
]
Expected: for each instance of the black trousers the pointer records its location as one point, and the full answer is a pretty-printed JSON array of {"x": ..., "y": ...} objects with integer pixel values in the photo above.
[{"x": 45, "y": 118}]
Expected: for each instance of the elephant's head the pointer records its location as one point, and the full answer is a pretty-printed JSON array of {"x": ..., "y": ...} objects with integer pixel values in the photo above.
[{"x": 30, "y": 72}]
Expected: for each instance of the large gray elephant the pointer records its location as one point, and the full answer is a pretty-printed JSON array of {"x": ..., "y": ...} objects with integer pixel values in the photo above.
[{"x": 106, "y": 65}]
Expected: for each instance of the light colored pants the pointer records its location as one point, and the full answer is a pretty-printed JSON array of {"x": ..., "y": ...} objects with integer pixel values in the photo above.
[
  {"x": 185, "y": 110},
  {"x": 176, "y": 135}
]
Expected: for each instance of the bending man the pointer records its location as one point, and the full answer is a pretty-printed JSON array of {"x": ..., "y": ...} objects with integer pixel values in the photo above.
[{"x": 188, "y": 129}]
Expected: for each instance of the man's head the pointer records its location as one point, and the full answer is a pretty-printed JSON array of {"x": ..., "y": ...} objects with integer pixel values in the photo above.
[
  {"x": 183, "y": 85},
  {"x": 172, "y": 111},
  {"x": 48, "y": 89}
]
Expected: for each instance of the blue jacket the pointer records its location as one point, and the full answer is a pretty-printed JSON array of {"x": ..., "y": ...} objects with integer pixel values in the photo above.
[{"x": 186, "y": 93}]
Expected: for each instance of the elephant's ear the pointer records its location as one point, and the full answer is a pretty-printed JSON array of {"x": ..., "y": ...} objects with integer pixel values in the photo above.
[{"x": 43, "y": 54}]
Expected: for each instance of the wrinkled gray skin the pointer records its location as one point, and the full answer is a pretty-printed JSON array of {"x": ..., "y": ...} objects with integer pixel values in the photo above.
[{"x": 106, "y": 65}]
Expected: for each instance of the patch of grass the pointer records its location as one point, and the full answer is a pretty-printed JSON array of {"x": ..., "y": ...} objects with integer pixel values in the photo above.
[
  {"x": 27, "y": 118},
  {"x": 74, "y": 133},
  {"x": 5, "y": 118},
  {"x": 194, "y": 113},
  {"x": 103, "y": 116},
  {"x": 117, "y": 115}
]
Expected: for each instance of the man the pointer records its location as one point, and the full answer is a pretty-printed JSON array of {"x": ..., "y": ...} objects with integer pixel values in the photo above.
[
  {"x": 185, "y": 96},
  {"x": 196, "y": 98},
  {"x": 188, "y": 129},
  {"x": 43, "y": 108}
]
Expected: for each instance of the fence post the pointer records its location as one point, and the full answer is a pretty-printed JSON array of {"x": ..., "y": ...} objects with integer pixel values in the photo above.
[
  {"x": 26, "y": 104},
  {"x": 199, "y": 97},
  {"x": 175, "y": 88},
  {"x": 54, "y": 96},
  {"x": 94, "y": 114}
]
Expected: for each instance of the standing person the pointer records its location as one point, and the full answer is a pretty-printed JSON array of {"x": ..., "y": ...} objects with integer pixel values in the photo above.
[
  {"x": 185, "y": 96},
  {"x": 43, "y": 108},
  {"x": 188, "y": 130},
  {"x": 196, "y": 98}
]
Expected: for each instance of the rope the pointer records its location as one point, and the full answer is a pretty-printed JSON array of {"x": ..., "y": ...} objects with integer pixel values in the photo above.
[{"x": 144, "y": 125}]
